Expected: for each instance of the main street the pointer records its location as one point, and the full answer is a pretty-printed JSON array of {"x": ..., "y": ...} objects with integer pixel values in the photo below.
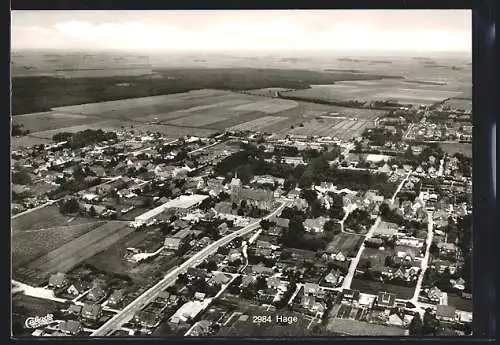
[
  {"x": 346, "y": 284},
  {"x": 128, "y": 312}
]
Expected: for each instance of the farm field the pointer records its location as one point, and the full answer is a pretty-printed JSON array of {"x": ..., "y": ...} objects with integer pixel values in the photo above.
[
  {"x": 72, "y": 253},
  {"x": 31, "y": 244},
  {"x": 198, "y": 120},
  {"x": 345, "y": 243},
  {"x": 377, "y": 90},
  {"x": 46, "y": 217}
]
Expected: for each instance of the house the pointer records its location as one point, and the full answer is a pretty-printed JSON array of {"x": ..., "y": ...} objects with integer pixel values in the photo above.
[
  {"x": 458, "y": 284},
  {"x": 78, "y": 287},
  {"x": 96, "y": 294},
  {"x": 219, "y": 279},
  {"x": 196, "y": 273},
  {"x": 260, "y": 198},
  {"x": 200, "y": 296},
  {"x": 333, "y": 277},
  {"x": 446, "y": 313},
  {"x": 386, "y": 300},
  {"x": 116, "y": 297},
  {"x": 434, "y": 294},
  {"x": 163, "y": 296},
  {"x": 311, "y": 289},
  {"x": 396, "y": 320},
  {"x": 58, "y": 280},
  {"x": 350, "y": 295},
  {"x": 276, "y": 283},
  {"x": 75, "y": 309},
  {"x": 91, "y": 312},
  {"x": 70, "y": 327},
  {"x": 147, "y": 319},
  {"x": 247, "y": 280},
  {"x": 261, "y": 269},
  {"x": 447, "y": 248},
  {"x": 315, "y": 225},
  {"x": 263, "y": 244},
  {"x": 281, "y": 222},
  {"x": 307, "y": 301},
  {"x": 338, "y": 257}
]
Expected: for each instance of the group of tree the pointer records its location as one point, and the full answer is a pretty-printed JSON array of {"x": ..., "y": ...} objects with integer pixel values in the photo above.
[
  {"x": 21, "y": 177},
  {"x": 84, "y": 138},
  {"x": 359, "y": 220},
  {"x": 18, "y": 130},
  {"x": 69, "y": 206}
]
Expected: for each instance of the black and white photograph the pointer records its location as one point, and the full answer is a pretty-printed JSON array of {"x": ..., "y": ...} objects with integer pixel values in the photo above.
[{"x": 241, "y": 173}]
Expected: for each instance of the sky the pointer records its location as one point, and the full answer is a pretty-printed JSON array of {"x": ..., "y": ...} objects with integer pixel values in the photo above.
[{"x": 299, "y": 30}]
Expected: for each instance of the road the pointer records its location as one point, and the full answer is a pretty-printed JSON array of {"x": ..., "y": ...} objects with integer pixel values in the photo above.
[
  {"x": 128, "y": 312},
  {"x": 346, "y": 284},
  {"x": 441, "y": 167},
  {"x": 425, "y": 260},
  {"x": 349, "y": 209}
]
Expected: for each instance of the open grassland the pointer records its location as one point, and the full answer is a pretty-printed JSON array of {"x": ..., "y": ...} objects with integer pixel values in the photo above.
[
  {"x": 72, "y": 253},
  {"x": 31, "y": 244}
]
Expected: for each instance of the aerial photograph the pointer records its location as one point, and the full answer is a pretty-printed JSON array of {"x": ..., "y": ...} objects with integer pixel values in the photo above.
[{"x": 237, "y": 173}]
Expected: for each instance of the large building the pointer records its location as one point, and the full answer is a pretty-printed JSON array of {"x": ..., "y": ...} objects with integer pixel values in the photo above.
[
  {"x": 180, "y": 205},
  {"x": 260, "y": 198}
]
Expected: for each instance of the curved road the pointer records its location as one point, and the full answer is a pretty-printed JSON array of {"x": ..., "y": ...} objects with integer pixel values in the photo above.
[{"x": 128, "y": 312}]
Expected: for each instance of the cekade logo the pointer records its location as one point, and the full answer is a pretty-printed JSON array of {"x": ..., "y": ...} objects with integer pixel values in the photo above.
[{"x": 37, "y": 321}]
